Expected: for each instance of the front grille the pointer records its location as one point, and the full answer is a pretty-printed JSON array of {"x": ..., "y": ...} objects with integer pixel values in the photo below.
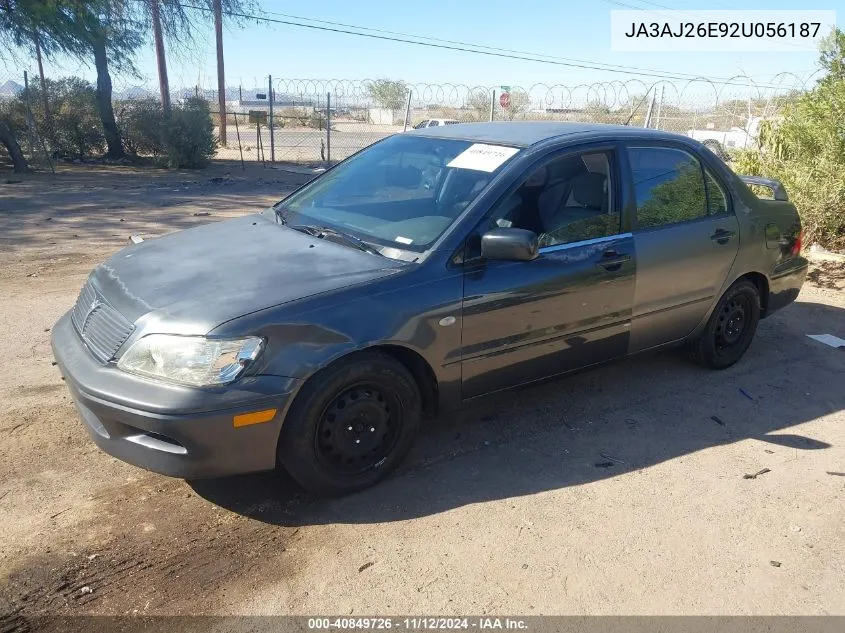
[{"x": 102, "y": 328}]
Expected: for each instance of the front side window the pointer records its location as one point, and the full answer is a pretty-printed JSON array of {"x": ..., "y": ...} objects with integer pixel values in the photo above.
[
  {"x": 567, "y": 199},
  {"x": 403, "y": 192},
  {"x": 669, "y": 186}
]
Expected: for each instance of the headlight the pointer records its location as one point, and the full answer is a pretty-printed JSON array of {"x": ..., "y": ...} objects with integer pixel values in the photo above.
[{"x": 190, "y": 360}]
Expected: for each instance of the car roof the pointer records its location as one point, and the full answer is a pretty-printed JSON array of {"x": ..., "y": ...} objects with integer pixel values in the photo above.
[{"x": 527, "y": 133}]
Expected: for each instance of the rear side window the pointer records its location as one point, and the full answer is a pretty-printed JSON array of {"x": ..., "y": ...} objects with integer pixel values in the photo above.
[
  {"x": 717, "y": 199},
  {"x": 669, "y": 186}
]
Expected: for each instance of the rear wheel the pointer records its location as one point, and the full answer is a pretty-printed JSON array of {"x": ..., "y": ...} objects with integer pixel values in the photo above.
[
  {"x": 730, "y": 329},
  {"x": 351, "y": 424}
]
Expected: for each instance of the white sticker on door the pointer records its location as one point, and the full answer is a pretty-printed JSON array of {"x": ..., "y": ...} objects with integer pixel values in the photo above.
[{"x": 481, "y": 157}]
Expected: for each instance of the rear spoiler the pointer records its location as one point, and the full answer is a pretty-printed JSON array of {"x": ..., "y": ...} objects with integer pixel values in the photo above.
[{"x": 778, "y": 192}]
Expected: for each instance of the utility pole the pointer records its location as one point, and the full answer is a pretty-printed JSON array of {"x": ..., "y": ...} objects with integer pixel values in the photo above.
[
  {"x": 45, "y": 102},
  {"x": 221, "y": 75},
  {"x": 163, "y": 84},
  {"x": 270, "y": 97}
]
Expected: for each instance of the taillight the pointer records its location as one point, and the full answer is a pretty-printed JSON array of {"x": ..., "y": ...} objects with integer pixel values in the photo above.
[{"x": 796, "y": 245}]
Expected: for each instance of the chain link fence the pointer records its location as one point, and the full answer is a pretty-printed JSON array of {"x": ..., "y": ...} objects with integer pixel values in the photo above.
[
  {"x": 316, "y": 121},
  {"x": 306, "y": 120}
]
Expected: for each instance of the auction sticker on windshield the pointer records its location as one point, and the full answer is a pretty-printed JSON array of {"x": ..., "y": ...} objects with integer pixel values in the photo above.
[{"x": 481, "y": 157}]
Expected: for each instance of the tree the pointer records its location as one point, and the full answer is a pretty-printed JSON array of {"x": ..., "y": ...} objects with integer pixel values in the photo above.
[
  {"x": 805, "y": 150},
  {"x": 100, "y": 29},
  {"x": 181, "y": 24},
  {"x": 27, "y": 25},
  {"x": 9, "y": 140},
  {"x": 161, "y": 61},
  {"x": 22, "y": 23},
  {"x": 832, "y": 55},
  {"x": 388, "y": 93},
  {"x": 221, "y": 73},
  {"x": 479, "y": 101},
  {"x": 106, "y": 30},
  {"x": 519, "y": 103}
]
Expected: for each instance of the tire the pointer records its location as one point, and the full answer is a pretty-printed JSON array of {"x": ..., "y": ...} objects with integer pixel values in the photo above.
[
  {"x": 730, "y": 329},
  {"x": 351, "y": 424}
]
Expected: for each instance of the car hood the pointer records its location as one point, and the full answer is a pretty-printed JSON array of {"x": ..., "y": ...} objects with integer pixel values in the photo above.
[{"x": 194, "y": 280}]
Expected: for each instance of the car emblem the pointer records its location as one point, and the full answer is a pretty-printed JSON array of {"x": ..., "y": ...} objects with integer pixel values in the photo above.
[{"x": 96, "y": 303}]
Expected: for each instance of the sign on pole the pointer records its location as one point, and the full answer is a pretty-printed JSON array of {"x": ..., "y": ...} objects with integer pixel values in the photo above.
[{"x": 505, "y": 100}]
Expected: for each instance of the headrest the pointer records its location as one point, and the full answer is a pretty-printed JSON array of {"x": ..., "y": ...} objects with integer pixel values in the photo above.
[
  {"x": 538, "y": 177},
  {"x": 588, "y": 190}
]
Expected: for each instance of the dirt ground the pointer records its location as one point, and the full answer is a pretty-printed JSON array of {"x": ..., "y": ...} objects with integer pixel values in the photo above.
[{"x": 615, "y": 491}]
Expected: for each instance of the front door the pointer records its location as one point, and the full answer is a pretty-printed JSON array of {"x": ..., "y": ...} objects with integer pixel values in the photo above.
[
  {"x": 570, "y": 307},
  {"x": 686, "y": 239}
]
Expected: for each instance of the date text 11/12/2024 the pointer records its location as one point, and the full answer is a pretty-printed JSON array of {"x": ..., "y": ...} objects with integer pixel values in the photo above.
[{"x": 418, "y": 623}]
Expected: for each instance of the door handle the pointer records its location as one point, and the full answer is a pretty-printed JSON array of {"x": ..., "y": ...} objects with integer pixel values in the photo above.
[
  {"x": 721, "y": 236},
  {"x": 612, "y": 260}
]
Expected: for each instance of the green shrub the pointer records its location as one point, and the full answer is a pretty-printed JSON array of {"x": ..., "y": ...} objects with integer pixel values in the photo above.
[
  {"x": 142, "y": 127},
  {"x": 189, "y": 135},
  {"x": 184, "y": 139},
  {"x": 805, "y": 150},
  {"x": 74, "y": 129}
]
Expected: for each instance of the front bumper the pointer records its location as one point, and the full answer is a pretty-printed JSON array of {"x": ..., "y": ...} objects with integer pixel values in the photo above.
[{"x": 170, "y": 429}]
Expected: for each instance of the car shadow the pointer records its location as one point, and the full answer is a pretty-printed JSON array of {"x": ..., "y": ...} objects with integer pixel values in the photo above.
[{"x": 621, "y": 418}]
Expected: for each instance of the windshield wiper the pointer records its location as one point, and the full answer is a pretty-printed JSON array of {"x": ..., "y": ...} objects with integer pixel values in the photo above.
[{"x": 335, "y": 236}]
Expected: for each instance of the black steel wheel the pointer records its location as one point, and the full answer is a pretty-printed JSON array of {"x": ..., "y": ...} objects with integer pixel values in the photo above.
[
  {"x": 731, "y": 327},
  {"x": 351, "y": 424},
  {"x": 359, "y": 428}
]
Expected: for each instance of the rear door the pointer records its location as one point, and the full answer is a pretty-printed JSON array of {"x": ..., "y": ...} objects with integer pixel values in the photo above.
[
  {"x": 571, "y": 306},
  {"x": 686, "y": 238}
]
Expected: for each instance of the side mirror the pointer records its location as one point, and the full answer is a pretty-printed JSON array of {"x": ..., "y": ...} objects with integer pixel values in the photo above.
[{"x": 509, "y": 244}]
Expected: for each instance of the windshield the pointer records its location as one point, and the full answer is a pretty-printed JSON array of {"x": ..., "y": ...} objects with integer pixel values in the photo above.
[{"x": 403, "y": 192}]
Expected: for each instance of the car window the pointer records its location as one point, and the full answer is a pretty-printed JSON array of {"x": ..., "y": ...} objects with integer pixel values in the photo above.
[
  {"x": 421, "y": 125},
  {"x": 404, "y": 191},
  {"x": 567, "y": 199},
  {"x": 434, "y": 124},
  {"x": 668, "y": 184},
  {"x": 717, "y": 199}
]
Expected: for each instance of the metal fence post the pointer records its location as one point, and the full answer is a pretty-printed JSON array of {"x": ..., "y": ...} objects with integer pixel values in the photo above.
[
  {"x": 407, "y": 111},
  {"x": 492, "y": 103},
  {"x": 240, "y": 147},
  {"x": 650, "y": 108},
  {"x": 272, "y": 140},
  {"x": 660, "y": 107},
  {"x": 35, "y": 139},
  {"x": 328, "y": 127}
]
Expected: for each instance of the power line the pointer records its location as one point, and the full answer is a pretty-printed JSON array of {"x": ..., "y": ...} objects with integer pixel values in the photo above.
[
  {"x": 490, "y": 53},
  {"x": 458, "y": 42},
  {"x": 593, "y": 65}
]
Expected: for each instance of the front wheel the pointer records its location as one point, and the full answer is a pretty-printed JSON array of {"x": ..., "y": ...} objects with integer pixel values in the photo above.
[
  {"x": 351, "y": 424},
  {"x": 730, "y": 329}
]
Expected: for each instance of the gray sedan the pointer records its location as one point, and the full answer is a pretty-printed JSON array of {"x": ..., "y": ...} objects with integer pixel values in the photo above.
[{"x": 429, "y": 269}]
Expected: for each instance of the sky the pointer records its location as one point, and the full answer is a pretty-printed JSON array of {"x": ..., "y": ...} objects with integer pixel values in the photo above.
[{"x": 575, "y": 29}]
